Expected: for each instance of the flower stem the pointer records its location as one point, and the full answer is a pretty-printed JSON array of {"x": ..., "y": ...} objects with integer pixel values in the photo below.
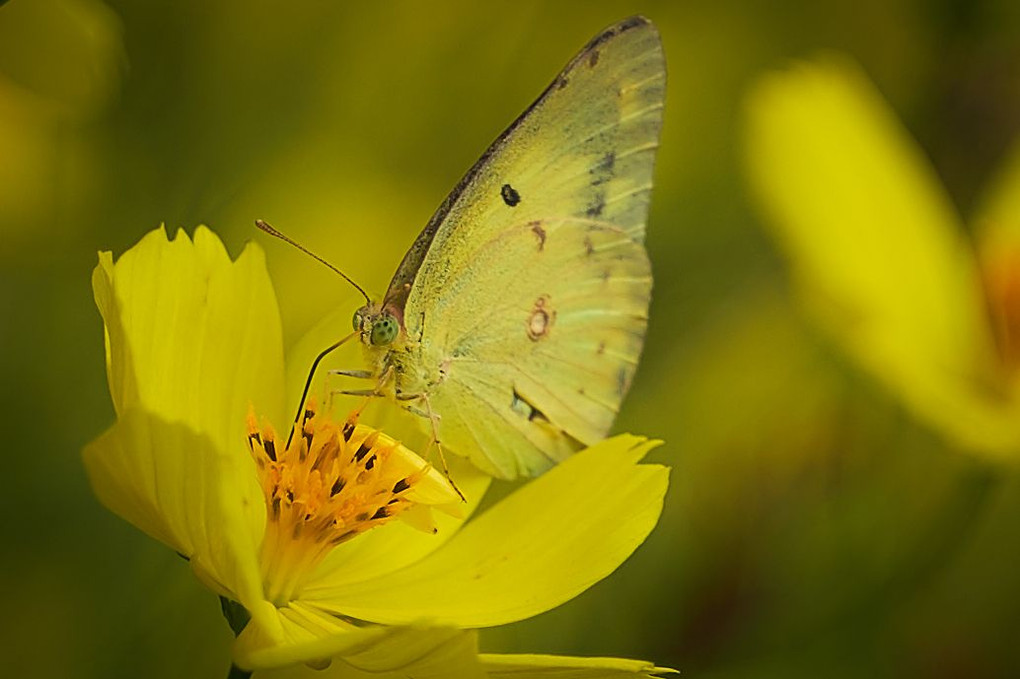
[{"x": 237, "y": 673}]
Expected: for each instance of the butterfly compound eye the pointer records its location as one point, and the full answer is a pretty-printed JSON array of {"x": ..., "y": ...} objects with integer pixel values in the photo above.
[
  {"x": 384, "y": 330},
  {"x": 356, "y": 321}
]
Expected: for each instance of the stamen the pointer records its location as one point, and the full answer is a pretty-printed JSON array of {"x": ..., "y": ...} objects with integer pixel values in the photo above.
[{"x": 334, "y": 482}]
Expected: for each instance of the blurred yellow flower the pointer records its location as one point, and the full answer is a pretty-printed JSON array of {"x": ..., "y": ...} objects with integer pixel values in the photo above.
[
  {"x": 281, "y": 531},
  {"x": 881, "y": 255},
  {"x": 61, "y": 63}
]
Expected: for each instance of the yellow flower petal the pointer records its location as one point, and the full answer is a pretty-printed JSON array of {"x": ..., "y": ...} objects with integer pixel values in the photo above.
[
  {"x": 876, "y": 244},
  {"x": 192, "y": 341},
  {"x": 168, "y": 480},
  {"x": 543, "y": 545},
  {"x": 192, "y": 336},
  {"x": 404, "y": 651},
  {"x": 565, "y": 667}
]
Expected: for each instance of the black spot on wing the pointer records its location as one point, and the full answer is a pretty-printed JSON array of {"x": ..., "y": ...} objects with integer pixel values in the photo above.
[
  {"x": 510, "y": 195},
  {"x": 597, "y": 204},
  {"x": 600, "y": 174},
  {"x": 593, "y": 58},
  {"x": 602, "y": 171}
]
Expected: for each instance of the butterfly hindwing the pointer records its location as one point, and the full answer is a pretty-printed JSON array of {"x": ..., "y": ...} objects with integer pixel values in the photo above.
[{"x": 543, "y": 360}]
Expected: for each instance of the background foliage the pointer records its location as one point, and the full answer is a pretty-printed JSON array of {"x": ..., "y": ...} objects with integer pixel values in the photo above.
[{"x": 813, "y": 528}]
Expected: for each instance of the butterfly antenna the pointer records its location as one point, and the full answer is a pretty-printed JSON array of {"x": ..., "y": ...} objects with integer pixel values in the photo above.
[{"x": 273, "y": 232}]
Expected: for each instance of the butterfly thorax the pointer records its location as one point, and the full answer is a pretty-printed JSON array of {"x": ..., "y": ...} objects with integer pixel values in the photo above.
[{"x": 395, "y": 358}]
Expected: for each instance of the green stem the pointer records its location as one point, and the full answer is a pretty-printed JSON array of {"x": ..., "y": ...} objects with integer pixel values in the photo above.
[{"x": 237, "y": 673}]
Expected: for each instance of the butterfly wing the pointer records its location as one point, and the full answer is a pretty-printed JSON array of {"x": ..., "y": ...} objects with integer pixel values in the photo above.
[{"x": 528, "y": 290}]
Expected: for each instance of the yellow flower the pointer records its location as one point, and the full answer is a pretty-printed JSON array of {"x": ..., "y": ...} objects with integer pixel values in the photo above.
[
  {"x": 882, "y": 257},
  {"x": 307, "y": 538}
]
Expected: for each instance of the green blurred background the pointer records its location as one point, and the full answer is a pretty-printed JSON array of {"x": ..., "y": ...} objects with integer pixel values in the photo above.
[{"x": 812, "y": 527}]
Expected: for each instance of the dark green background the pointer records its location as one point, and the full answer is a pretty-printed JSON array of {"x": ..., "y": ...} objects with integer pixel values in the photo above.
[{"x": 812, "y": 527}]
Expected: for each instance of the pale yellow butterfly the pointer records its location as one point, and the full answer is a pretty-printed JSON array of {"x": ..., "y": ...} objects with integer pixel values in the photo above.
[{"x": 516, "y": 319}]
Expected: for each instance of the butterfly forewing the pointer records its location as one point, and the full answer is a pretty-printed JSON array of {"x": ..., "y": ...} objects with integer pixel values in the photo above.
[{"x": 528, "y": 292}]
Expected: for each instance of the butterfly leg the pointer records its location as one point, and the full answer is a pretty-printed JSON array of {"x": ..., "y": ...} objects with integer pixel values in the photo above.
[
  {"x": 434, "y": 419},
  {"x": 358, "y": 392},
  {"x": 367, "y": 394},
  {"x": 377, "y": 390},
  {"x": 357, "y": 374}
]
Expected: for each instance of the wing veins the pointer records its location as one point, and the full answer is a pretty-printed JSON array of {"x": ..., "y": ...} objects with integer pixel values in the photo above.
[
  {"x": 650, "y": 146},
  {"x": 661, "y": 75},
  {"x": 618, "y": 122},
  {"x": 523, "y": 373},
  {"x": 640, "y": 112},
  {"x": 629, "y": 152},
  {"x": 627, "y": 194},
  {"x": 502, "y": 415},
  {"x": 471, "y": 256}
]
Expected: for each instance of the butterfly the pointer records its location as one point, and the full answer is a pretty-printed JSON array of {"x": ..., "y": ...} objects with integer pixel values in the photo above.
[{"x": 516, "y": 319}]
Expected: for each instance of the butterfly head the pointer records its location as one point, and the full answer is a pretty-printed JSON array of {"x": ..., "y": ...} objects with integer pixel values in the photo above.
[{"x": 378, "y": 327}]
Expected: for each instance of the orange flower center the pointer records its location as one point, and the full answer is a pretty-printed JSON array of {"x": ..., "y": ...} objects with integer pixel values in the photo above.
[{"x": 333, "y": 482}]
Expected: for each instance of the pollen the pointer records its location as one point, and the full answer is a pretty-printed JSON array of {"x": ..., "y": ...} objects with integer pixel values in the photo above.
[{"x": 333, "y": 482}]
